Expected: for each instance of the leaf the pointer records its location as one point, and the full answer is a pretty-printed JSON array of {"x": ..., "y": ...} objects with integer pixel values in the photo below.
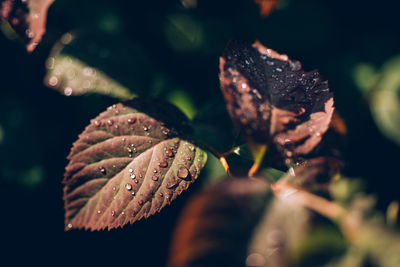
[
  {"x": 267, "y": 6},
  {"x": 98, "y": 62},
  {"x": 237, "y": 223},
  {"x": 28, "y": 19},
  {"x": 272, "y": 100},
  {"x": 215, "y": 226},
  {"x": 384, "y": 100},
  {"x": 129, "y": 163},
  {"x": 286, "y": 226},
  {"x": 314, "y": 174}
]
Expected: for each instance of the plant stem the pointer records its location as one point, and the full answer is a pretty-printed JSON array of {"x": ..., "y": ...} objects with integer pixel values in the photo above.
[
  {"x": 287, "y": 192},
  {"x": 221, "y": 157}
]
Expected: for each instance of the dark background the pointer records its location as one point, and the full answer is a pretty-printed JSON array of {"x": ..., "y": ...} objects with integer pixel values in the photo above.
[{"x": 38, "y": 125}]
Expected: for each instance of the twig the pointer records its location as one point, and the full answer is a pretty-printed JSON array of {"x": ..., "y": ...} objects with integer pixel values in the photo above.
[
  {"x": 287, "y": 192},
  {"x": 221, "y": 157}
]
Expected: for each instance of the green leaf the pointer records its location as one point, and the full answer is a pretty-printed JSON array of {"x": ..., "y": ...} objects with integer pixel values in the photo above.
[
  {"x": 385, "y": 100},
  {"x": 96, "y": 62},
  {"x": 129, "y": 163}
]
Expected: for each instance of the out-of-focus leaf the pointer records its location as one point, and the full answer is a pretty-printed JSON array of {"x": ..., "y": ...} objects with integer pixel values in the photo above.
[
  {"x": 272, "y": 174},
  {"x": 314, "y": 174},
  {"x": 278, "y": 234},
  {"x": 282, "y": 236},
  {"x": 272, "y": 100},
  {"x": 384, "y": 100},
  {"x": 184, "y": 33},
  {"x": 129, "y": 163},
  {"x": 96, "y": 62},
  {"x": 216, "y": 225},
  {"x": 28, "y": 19},
  {"x": 267, "y": 6}
]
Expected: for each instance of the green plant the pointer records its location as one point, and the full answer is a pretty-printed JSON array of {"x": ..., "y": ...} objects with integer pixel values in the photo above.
[{"x": 140, "y": 154}]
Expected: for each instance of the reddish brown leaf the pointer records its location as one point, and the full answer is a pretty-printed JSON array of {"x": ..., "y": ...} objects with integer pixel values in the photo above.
[
  {"x": 272, "y": 100},
  {"x": 216, "y": 224},
  {"x": 267, "y": 6},
  {"x": 27, "y": 17},
  {"x": 129, "y": 163}
]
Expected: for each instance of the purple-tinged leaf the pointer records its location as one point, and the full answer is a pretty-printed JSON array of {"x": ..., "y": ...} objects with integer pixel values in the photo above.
[
  {"x": 216, "y": 225},
  {"x": 272, "y": 100},
  {"x": 129, "y": 163},
  {"x": 27, "y": 17}
]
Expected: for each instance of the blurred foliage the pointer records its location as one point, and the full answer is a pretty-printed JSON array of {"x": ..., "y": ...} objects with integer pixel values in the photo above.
[
  {"x": 382, "y": 88},
  {"x": 176, "y": 45}
]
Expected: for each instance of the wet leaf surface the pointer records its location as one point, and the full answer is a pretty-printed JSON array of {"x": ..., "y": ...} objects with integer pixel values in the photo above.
[
  {"x": 272, "y": 100},
  {"x": 98, "y": 62},
  {"x": 129, "y": 163},
  {"x": 216, "y": 225},
  {"x": 28, "y": 19}
]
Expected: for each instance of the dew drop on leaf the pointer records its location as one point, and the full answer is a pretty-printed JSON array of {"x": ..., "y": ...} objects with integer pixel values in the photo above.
[
  {"x": 128, "y": 187},
  {"x": 183, "y": 172}
]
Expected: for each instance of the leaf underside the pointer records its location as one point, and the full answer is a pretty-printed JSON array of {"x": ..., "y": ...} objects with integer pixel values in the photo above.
[
  {"x": 272, "y": 100},
  {"x": 129, "y": 163},
  {"x": 28, "y": 19}
]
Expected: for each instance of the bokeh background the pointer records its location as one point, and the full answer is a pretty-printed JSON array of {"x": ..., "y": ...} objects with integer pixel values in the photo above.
[{"x": 354, "y": 44}]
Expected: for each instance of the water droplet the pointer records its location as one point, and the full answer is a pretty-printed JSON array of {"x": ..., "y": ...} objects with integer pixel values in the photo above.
[
  {"x": 29, "y": 33},
  {"x": 278, "y": 69},
  {"x": 131, "y": 120},
  {"x": 97, "y": 123},
  {"x": 102, "y": 170},
  {"x": 133, "y": 176},
  {"x": 68, "y": 91},
  {"x": 155, "y": 171},
  {"x": 53, "y": 81},
  {"x": 130, "y": 170},
  {"x": 154, "y": 178},
  {"x": 123, "y": 213},
  {"x": 133, "y": 193},
  {"x": 161, "y": 194},
  {"x": 291, "y": 171},
  {"x": 66, "y": 38},
  {"x": 110, "y": 122},
  {"x": 114, "y": 188},
  {"x": 163, "y": 164},
  {"x": 69, "y": 225},
  {"x": 128, "y": 187},
  {"x": 145, "y": 128},
  {"x": 88, "y": 71},
  {"x": 169, "y": 153},
  {"x": 99, "y": 211},
  {"x": 165, "y": 131},
  {"x": 183, "y": 172},
  {"x": 113, "y": 213}
]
